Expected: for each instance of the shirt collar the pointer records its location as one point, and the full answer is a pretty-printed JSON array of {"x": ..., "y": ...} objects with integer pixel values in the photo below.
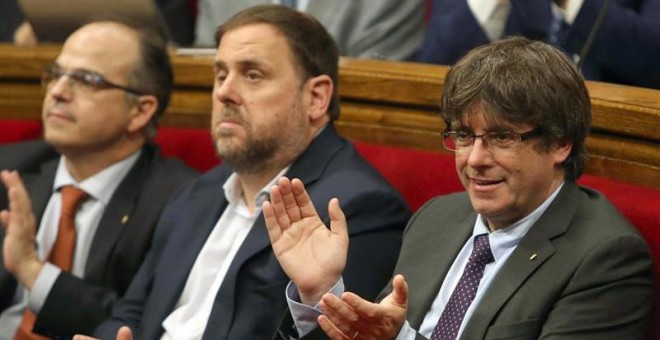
[
  {"x": 234, "y": 191},
  {"x": 100, "y": 186}
]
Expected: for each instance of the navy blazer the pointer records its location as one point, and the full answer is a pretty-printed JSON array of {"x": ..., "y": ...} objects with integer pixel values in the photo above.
[
  {"x": 626, "y": 49},
  {"x": 250, "y": 301},
  {"x": 118, "y": 246}
]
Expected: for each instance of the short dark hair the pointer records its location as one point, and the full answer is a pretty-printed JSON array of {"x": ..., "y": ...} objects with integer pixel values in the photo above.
[
  {"x": 313, "y": 49},
  {"x": 518, "y": 80},
  {"x": 152, "y": 73}
]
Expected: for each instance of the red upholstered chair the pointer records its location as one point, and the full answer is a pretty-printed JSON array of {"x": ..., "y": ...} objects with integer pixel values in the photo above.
[{"x": 19, "y": 130}]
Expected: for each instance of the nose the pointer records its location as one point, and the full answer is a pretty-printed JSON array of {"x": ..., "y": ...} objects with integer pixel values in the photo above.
[
  {"x": 227, "y": 91},
  {"x": 479, "y": 155},
  {"x": 61, "y": 88}
]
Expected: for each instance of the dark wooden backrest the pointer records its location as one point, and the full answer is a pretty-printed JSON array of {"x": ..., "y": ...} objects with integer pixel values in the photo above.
[{"x": 390, "y": 103}]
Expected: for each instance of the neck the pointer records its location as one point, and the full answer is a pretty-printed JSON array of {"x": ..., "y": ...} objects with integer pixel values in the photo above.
[
  {"x": 252, "y": 183},
  {"x": 82, "y": 165}
]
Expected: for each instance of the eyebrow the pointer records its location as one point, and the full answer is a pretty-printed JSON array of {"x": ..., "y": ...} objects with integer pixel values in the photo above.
[
  {"x": 77, "y": 69},
  {"x": 242, "y": 64}
]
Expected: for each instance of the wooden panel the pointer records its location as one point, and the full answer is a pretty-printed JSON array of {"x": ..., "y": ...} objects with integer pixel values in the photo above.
[{"x": 383, "y": 102}]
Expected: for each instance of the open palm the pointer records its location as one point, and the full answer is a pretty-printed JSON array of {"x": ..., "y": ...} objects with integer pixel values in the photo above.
[{"x": 312, "y": 255}]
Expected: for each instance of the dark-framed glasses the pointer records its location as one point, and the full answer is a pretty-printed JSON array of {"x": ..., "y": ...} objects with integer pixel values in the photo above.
[
  {"x": 462, "y": 141},
  {"x": 82, "y": 79}
]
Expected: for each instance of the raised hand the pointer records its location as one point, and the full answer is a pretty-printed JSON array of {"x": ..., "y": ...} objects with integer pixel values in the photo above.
[
  {"x": 20, "y": 256},
  {"x": 312, "y": 255},
  {"x": 352, "y": 317}
]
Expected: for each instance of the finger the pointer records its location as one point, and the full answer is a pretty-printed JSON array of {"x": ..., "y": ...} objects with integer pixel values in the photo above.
[
  {"x": 83, "y": 337},
  {"x": 302, "y": 198},
  {"x": 272, "y": 226},
  {"x": 289, "y": 200},
  {"x": 4, "y": 218},
  {"x": 361, "y": 306},
  {"x": 330, "y": 329},
  {"x": 4, "y": 176},
  {"x": 20, "y": 198},
  {"x": 400, "y": 291},
  {"x": 338, "y": 223},
  {"x": 342, "y": 316},
  {"x": 20, "y": 211},
  {"x": 279, "y": 210},
  {"x": 124, "y": 333}
]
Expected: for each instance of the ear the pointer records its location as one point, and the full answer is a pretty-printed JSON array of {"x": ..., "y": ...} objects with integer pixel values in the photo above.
[
  {"x": 319, "y": 90},
  {"x": 142, "y": 112},
  {"x": 561, "y": 151}
]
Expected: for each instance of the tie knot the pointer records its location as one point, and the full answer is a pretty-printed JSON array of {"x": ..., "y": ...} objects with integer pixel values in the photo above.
[
  {"x": 481, "y": 252},
  {"x": 72, "y": 197}
]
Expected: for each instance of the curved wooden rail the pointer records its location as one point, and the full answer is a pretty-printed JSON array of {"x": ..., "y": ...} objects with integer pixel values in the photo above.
[{"x": 392, "y": 103}]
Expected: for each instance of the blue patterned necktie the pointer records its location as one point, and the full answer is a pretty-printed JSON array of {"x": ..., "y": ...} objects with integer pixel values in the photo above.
[{"x": 465, "y": 291}]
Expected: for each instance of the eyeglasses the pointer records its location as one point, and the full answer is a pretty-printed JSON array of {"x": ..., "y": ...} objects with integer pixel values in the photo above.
[
  {"x": 82, "y": 78},
  {"x": 461, "y": 141}
]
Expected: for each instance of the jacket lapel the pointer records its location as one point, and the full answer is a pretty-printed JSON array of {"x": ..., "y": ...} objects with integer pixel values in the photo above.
[
  {"x": 198, "y": 217},
  {"x": 553, "y": 223},
  {"x": 116, "y": 217},
  {"x": 40, "y": 187},
  {"x": 430, "y": 269}
]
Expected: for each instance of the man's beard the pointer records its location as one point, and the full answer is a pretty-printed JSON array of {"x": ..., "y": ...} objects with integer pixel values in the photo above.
[{"x": 254, "y": 157}]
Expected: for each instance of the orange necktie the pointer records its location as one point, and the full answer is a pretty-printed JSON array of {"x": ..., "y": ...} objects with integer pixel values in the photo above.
[{"x": 62, "y": 253}]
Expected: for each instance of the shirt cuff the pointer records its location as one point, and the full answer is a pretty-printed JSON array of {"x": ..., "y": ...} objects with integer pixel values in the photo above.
[
  {"x": 42, "y": 286},
  {"x": 406, "y": 332},
  {"x": 304, "y": 316}
]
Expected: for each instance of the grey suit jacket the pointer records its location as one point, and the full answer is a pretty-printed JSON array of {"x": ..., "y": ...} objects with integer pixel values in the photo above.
[
  {"x": 76, "y": 305},
  {"x": 376, "y": 29},
  {"x": 591, "y": 277}
]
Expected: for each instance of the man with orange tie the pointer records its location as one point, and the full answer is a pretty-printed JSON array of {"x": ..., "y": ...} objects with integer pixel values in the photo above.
[{"x": 79, "y": 218}]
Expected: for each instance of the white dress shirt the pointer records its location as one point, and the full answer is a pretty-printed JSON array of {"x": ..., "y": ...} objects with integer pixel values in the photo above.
[
  {"x": 100, "y": 189},
  {"x": 491, "y": 16},
  {"x": 191, "y": 313}
]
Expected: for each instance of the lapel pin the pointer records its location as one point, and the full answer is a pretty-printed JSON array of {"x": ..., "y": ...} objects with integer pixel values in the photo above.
[
  {"x": 533, "y": 257},
  {"x": 124, "y": 219}
]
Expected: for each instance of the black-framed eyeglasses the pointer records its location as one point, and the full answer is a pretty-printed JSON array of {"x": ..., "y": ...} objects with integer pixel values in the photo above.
[
  {"x": 83, "y": 78},
  {"x": 459, "y": 141}
]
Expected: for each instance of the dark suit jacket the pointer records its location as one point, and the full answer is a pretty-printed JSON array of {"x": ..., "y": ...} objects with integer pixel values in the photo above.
[
  {"x": 591, "y": 279},
  {"x": 251, "y": 302},
  {"x": 77, "y": 305},
  {"x": 625, "y": 51}
]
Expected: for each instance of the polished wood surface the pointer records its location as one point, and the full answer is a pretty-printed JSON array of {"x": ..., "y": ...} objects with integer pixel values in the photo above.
[{"x": 382, "y": 102}]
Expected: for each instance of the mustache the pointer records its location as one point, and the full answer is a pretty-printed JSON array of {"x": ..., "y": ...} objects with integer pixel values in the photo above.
[
  {"x": 57, "y": 108},
  {"x": 233, "y": 113}
]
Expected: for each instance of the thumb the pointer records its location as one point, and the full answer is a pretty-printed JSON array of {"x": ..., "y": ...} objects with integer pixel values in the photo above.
[
  {"x": 400, "y": 291},
  {"x": 124, "y": 333},
  {"x": 337, "y": 219}
]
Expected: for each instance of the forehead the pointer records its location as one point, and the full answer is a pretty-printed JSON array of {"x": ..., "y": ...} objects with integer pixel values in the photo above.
[
  {"x": 477, "y": 117},
  {"x": 108, "y": 48},
  {"x": 257, "y": 43}
]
